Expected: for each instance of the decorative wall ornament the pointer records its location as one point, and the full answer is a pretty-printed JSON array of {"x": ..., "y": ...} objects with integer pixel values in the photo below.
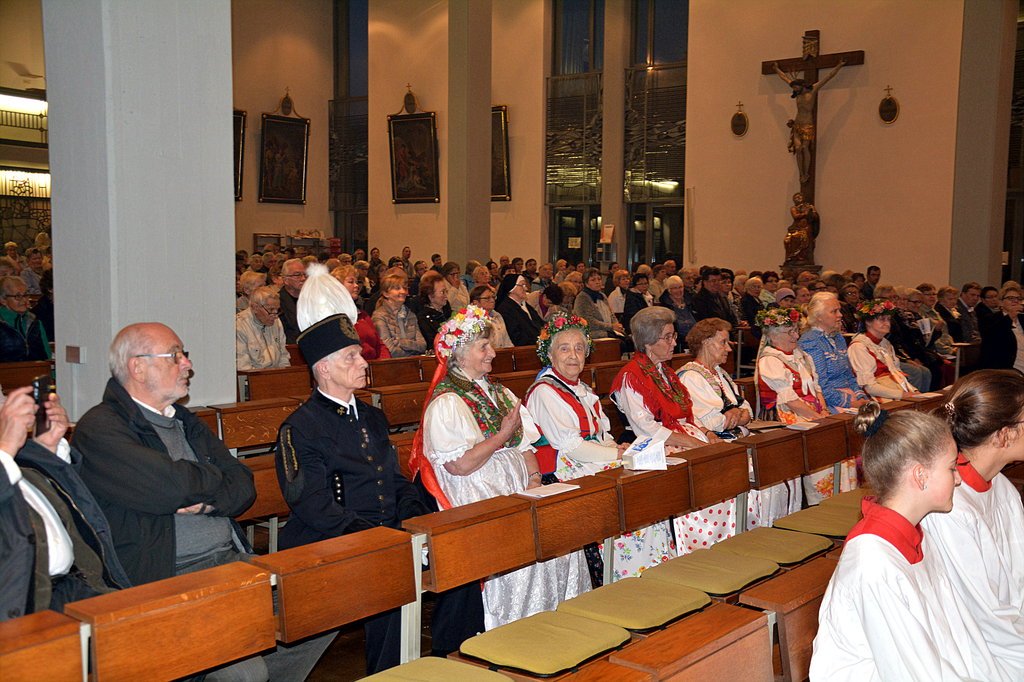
[
  {"x": 739, "y": 123},
  {"x": 889, "y": 107},
  {"x": 284, "y": 155}
]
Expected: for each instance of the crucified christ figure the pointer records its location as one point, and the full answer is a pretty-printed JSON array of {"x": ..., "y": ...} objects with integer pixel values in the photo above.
[{"x": 801, "y": 136}]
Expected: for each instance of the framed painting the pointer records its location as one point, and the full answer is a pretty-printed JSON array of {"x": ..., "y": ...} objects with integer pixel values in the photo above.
[
  {"x": 239, "y": 121},
  {"x": 283, "y": 158},
  {"x": 501, "y": 185},
  {"x": 413, "y": 142}
]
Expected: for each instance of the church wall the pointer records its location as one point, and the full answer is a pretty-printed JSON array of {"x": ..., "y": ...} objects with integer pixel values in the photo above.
[
  {"x": 21, "y": 42},
  {"x": 519, "y": 66},
  {"x": 885, "y": 193},
  {"x": 276, "y": 46},
  {"x": 408, "y": 43}
]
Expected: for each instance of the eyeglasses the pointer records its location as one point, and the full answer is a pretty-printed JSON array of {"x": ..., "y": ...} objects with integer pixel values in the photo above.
[
  {"x": 1011, "y": 298},
  {"x": 486, "y": 298},
  {"x": 20, "y": 297},
  {"x": 671, "y": 337},
  {"x": 300, "y": 275},
  {"x": 268, "y": 311},
  {"x": 176, "y": 355}
]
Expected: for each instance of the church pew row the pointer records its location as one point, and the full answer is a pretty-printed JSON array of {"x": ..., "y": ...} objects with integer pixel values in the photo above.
[
  {"x": 515, "y": 531},
  {"x": 18, "y": 374},
  {"x": 41, "y": 647},
  {"x": 297, "y": 379}
]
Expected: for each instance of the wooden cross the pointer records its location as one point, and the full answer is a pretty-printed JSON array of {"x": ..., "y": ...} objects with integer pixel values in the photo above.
[{"x": 809, "y": 64}]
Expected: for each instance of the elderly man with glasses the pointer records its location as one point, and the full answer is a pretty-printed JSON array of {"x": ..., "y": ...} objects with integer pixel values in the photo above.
[
  {"x": 167, "y": 484},
  {"x": 294, "y": 274},
  {"x": 22, "y": 336},
  {"x": 259, "y": 335}
]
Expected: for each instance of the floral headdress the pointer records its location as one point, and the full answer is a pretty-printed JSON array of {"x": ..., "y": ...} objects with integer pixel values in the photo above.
[
  {"x": 560, "y": 322},
  {"x": 876, "y": 307},
  {"x": 463, "y": 327},
  {"x": 778, "y": 317}
]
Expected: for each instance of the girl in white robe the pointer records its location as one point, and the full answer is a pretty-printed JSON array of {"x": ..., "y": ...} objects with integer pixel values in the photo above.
[
  {"x": 890, "y": 611},
  {"x": 981, "y": 542}
]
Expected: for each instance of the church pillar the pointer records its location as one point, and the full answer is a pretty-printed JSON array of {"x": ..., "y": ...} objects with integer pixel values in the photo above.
[
  {"x": 143, "y": 207},
  {"x": 982, "y": 125},
  {"x": 469, "y": 130},
  {"x": 616, "y": 59}
]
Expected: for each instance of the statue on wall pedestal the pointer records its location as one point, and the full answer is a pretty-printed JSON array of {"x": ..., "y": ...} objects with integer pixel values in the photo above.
[{"x": 802, "y": 233}]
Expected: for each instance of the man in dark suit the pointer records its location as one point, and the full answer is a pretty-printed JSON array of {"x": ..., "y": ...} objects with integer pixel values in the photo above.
[
  {"x": 709, "y": 302},
  {"x": 521, "y": 320},
  {"x": 970, "y": 294}
]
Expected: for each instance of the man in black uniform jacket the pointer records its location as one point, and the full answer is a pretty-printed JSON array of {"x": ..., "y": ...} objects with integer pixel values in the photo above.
[{"x": 337, "y": 468}]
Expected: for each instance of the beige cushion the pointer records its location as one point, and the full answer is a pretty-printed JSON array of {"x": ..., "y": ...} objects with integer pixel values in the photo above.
[
  {"x": 545, "y": 643},
  {"x": 784, "y": 547},
  {"x": 432, "y": 669},
  {"x": 833, "y": 521},
  {"x": 851, "y": 498},
  {"x": 715, "y": 573},
  {"x": 636, "y": 604}
]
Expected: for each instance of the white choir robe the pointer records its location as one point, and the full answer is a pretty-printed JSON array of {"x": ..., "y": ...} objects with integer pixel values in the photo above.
[
  {"x": 981, "y": 545},
  {"x": 883, "y": 618}
]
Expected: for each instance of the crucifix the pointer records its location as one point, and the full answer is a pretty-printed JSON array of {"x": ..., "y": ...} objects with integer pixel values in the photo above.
[
  {"x": 805, "y": 92},
  {"x": 802, "y": 232}
]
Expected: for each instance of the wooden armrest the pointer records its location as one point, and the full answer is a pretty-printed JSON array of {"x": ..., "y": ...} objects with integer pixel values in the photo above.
[
  {"x": 195, "y": 621},
  {"x": 40, "y": 647},
  {"x": 475, "y": 541},
  {"x": 795, "y": 597},
  {"x": 269, "y": 500},
  {"x": 568, "y": 521},
  {"x": 776, "y": 456},
  {"x": 718, "y": 472},
  {"x": 723, "y": 642},
  {"x": 646, "y": 497},
  {"x": 824, "y": 445},
  {"x": 327, "y": 584}
]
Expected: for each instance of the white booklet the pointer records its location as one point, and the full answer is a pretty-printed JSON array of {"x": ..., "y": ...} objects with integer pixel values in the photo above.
[
  {"x": 802, "y": 426},
  {"x": 647, "y": 454},
  {"x": 549, "y": 490}
]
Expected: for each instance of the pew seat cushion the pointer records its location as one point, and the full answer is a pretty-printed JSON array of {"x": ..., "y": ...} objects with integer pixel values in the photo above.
[
  {"x": 851, "y": 498},
  {"x": 545, "y": 643},
  {"x": 714, "y": 573},
  {"x": 636, "y": 604},
  {"x": 784, "y": 547},
  {"x": 834, "y": 521},
  {"x": 433, "y": 669}
]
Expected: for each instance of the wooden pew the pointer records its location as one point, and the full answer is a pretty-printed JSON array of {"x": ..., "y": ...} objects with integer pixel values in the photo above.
[
  {"x": 680, "y": 359},
  {"x": 18, "y": 374},
  {"x": 825, "y": 446},
  {"x": 275, "y": 383},
  {"x": 269, "y": 503},
  {"x": 503, "y": 361},
  {"x": 723, "y": 642},
  {"x": 603, "y": 375},
  {"x": 324, "y": 585},
  {"x": 748, "y": 390},
  {"x": 517, "y": 382},
  {"x": 525, "y": 358},
  {"x": 647, "y": 497},
  {"x": 926, "y": 404},
  {"x": 794, "y": 597},
  {"x": 428, "y": 364},
  {"x": 455, "y": 537},
  {"x": 568, "y": 521},
  {"x": 41, "y": 647},
  {"x": 208, "y": 416},
  {"x": 403, "y": 403},
  {"x": 253, "y": 423},
  {"x": 605, "y": 350},
  {"x": 392, "y": 371},
  {"x": 717, "y": 472},
  {"x": 403, "y": 449},
  {"x": 295, "y": 355},
  {"x": 179, "y": 626},
  {"x": 854, "y": 441},
  {"x": 777, "y": 456}
]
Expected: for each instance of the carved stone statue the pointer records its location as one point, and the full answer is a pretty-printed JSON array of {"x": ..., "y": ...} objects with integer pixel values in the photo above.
[
  {"x": 802, "y": 233},
  {"x": 802, "y": 127}
]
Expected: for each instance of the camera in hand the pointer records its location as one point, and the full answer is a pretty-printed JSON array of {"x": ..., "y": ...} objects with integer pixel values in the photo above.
[{"x": 42, "y": 387}]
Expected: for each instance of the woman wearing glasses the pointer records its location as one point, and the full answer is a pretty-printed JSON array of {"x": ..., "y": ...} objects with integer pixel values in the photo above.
[
  {"x": 484, "y": 296},
  {"x": 22, "y": 337},
  {"x": 1002, "y": 338}
]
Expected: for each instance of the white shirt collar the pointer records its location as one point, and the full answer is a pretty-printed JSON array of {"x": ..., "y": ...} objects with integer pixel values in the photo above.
[
  {"x": 166, "y": 412},
  {"x": 351, "y": 404}
]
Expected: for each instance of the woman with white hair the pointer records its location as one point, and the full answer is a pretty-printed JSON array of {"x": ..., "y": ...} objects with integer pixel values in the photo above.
[
  {"x": 674, "y": 298},
  {"x": 474, "y": 443}
]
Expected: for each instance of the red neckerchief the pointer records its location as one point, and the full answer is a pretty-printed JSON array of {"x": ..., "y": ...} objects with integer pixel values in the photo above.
[
  {"x": 891, "y": 527},
  {"x": 877, "y": 341},
  {"x": 563, "y": 379},
  {"x": 663, "y": 394},
  {"x": 970, "y": 475}
]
